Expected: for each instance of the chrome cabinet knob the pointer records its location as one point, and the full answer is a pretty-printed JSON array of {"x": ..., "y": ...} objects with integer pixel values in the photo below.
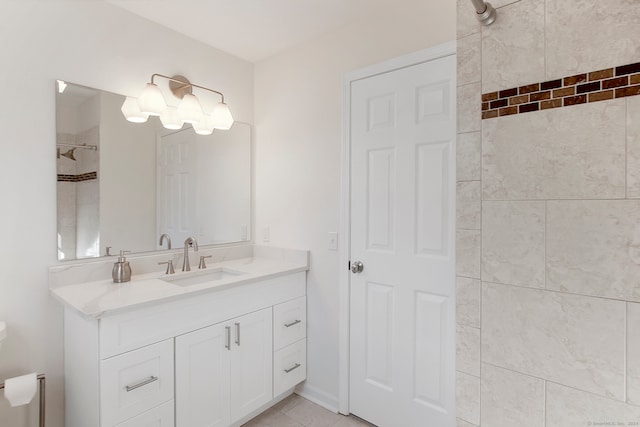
[{"x": 357, "y": 267}]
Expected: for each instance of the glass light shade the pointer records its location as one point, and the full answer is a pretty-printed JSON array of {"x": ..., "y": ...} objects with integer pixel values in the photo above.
[
  {"x": 204, "y": 126},
  {"x": 221, "y": 116},
  {"x": 170, "y": 119},
  {"x": 151, "y": 100},
  {"x": 131, "y": 111},
  {"x": 189, "y": 109}
]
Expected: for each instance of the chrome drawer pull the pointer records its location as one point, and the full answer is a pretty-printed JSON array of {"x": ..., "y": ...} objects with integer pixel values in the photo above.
[
  {"x": 141, "y": 384},
  {"x": 295, "y": 322},
  {"x": 227, "y": 344},
  {"x": 296, "y": 366},
  {"x": 238, "y": 334}
]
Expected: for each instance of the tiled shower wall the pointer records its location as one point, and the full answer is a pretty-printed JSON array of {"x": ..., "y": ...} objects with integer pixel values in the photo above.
[
  {"x": 548, "y": 220},
  {"x": 78, "y": 197}
]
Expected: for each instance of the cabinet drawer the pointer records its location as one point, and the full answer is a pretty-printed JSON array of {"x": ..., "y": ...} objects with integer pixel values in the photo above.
[
  {"x": 289, "y": 366},
  {"x": 289, "y": 322},
  {"x": 135, "y": 382},
  {"x": 161, "y": 416}
]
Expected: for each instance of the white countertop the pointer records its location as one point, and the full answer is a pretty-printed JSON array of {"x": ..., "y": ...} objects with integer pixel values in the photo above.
[{"x": 98, "y": 298}]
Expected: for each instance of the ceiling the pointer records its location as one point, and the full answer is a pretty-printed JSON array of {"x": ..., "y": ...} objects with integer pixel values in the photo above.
[{"x": 252, "y": 29}]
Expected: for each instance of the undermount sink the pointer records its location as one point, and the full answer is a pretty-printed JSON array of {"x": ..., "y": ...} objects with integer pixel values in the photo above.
[{"x": 203, "y": 277}]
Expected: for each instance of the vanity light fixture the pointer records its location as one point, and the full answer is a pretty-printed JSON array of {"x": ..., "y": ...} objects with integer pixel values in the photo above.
[{"x": 151, "y": 102}]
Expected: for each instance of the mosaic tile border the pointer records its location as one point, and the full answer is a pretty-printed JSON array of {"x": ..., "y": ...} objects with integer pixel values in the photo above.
[
  {"x": 595, "y": 86},
  {"x": 78, "y": 178}
]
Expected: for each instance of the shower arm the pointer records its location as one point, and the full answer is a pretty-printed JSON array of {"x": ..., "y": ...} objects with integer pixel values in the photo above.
[
  {"x": 86, "y": 147},
  {"x": 485, "y": 13}
]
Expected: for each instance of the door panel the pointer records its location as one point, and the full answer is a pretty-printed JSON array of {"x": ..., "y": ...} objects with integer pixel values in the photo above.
[
  {"x": 432, "y": 204},
  {"x": 402, "y": 345},
  {"x": 380, "y": 185},
  {"x": 380, "y": 319},
  {"x": 430, "y": 315}
]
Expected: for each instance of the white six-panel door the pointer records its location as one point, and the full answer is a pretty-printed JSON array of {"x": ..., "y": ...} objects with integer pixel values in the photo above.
[
  {"x": 177, "y": 185},
  {"x": 402, "y": 325}
]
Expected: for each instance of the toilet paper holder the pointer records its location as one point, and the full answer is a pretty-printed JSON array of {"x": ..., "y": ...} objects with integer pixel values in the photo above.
[{"x": 41, "y": 392}]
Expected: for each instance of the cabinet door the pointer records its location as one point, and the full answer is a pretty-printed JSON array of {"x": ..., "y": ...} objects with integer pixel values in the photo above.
[
  {"x": 251, "y": 363},
  {"x": 202, "y": 377}
]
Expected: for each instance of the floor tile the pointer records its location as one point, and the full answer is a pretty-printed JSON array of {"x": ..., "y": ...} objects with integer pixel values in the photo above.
[
  {"x": 295, "y": 411},
  {"x": 311, "y": 415}
]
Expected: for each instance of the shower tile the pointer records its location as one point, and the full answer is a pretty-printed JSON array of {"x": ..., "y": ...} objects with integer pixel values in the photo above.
[
  {"x": 468, "y": 204},
  {"x": 467, "y": 22},
  {"x": 468, "y": 350},
  {"x": 463, "y": 423},
  {"x": 590, "y": 35},
  {"x": 567, "y": 407},
  {"x": 468, "y": 398},
  {"x": 468, "y": 301},
  {"x": 469, "y": 59},
  {"x": 468, "y": 156},
  {"x": 511, "y": 399},
  {"x": 468, "y": 253},
  {"x": 513, "y": 243},
  {"x": 502, "y": 3},
  {"x": 633, "y": 353},
  {"x": 633, "y": 147},
  {"x": 574, "y": 340},
  {"x": 469, "y": 100},
  {"x": 513, "y": 47},
  {"x": 593, "y": 247},
  {"x": 571, "y": 153}
]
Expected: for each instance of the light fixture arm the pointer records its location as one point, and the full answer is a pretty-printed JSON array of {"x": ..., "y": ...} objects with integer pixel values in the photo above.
[{"x": 185, "y": 84}]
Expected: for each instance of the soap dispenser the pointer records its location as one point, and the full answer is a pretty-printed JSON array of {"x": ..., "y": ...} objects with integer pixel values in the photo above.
[{"x": 121, "y": 269}]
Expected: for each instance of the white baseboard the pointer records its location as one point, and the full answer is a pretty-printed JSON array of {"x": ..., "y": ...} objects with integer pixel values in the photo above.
[{"x": 319, "y": 397}]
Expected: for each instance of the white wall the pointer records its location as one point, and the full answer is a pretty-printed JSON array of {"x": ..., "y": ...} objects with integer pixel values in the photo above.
[
  {"x": 97, "y": 45},
  {"x": 298, "y": 112}
]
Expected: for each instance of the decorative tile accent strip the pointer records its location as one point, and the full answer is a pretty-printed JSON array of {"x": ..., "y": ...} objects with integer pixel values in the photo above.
[
  {"x": 595, "y": 86},
  {"x": 78, "y": 178}
]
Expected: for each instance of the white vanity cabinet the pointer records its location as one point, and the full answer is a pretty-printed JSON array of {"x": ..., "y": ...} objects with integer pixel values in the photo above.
[{"x": 211, "y": 358}]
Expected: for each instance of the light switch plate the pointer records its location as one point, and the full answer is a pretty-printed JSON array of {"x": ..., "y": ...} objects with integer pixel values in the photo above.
[{"x": 333, "y": 240}]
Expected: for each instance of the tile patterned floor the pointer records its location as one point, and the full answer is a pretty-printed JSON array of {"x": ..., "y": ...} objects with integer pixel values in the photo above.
[{"x": 296, "y": 411}]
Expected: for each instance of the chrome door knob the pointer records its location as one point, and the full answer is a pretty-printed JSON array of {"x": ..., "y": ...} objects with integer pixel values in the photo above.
[{"x": 357, "y": 267}]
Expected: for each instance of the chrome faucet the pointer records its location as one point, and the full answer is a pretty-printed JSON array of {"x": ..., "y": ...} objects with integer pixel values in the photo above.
[
  {"x": 191, "y": 241},
  {"x": 164, "y": 236}
]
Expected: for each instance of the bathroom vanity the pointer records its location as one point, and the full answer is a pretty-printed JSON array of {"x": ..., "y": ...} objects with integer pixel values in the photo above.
[{"x": 211, "y": 347}]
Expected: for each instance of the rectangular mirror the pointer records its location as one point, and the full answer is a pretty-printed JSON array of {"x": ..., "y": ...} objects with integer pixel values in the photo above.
[{"x": 122, "y": 185}]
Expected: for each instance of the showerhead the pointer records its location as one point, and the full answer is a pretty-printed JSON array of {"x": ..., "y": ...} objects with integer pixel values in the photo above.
[
  {"x": 485, "y": 13},
  {"x": 69, "y": 154}
]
